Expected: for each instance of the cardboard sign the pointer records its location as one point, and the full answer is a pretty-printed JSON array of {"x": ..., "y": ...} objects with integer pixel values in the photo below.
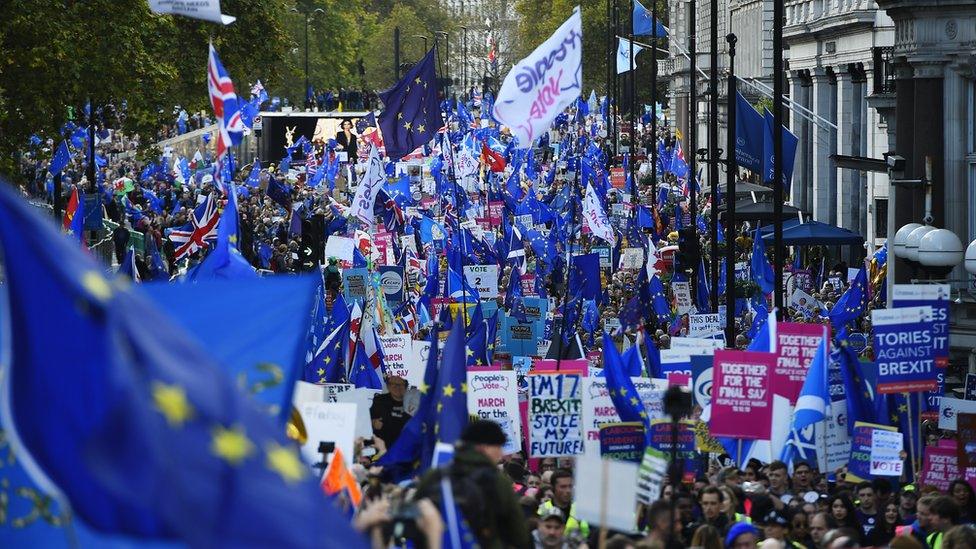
[
  {"x": 328, "y": 422},
  {"x": 555, "y": 415},
  {"x": 598, "y": 407},
  {"x": 494, "y": 396},
  {"x": 940, "y": 466},
  {"x": 632, "y": 258},
  {"x": 392, "y": 282},
  {"x": 339, "y": 247},
  {"x": 604, "y": 253},
  {"x": 484, "y": 279},
  {"x": 886, "y": 448},
  {"x": 682, "y": 296},
  {"x": 605, "y": 492},
  {"x": 398, "y": 356},
  {"x": 650, "y": 476},
  {"x": 949, "y": 410},
  {"x": 622, "y": 441},
  {"x": 354, "y": 283},
  {"x": 704, "y": 324},
  {"x": 859, "y": 464},
  {"x": 904, "y": 349},
  {"x": 518, "y": 338},
  {"x": 742, "y": 399},
  {"x": 796, "y": 346}
]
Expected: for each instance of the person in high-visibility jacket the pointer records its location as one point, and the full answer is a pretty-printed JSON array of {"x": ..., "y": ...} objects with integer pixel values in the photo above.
[
  {"x": 562, "y": 499},
  {"x": 943, "y": 515}
]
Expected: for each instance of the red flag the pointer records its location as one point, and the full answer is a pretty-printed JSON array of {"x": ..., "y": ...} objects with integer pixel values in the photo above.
[
  {"x": 70, "y": 209},
  {"x": 495, "y": 161},
  {"x": 338, "y": 477}
]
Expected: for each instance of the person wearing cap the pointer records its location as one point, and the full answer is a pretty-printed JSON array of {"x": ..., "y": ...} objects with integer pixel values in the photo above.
[
  {"x": 485, "y": 497},
  {"x": 906, "y": 505},
  {"x": 776, "y": 526},
  {"x": 562, "y": 499},
  {"x": 742, "y": 535},
  {"x": 549, "y": 533}
]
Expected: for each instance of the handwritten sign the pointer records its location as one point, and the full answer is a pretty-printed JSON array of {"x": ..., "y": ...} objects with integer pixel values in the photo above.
[
  {"x": 796, "y": 345},
  {"x": 742, "y": 402},
  {"x": 904, "y": 350},
  {"x": 622, "y": 441},
  {"x": 494, "y": 396},
  {"x": 483, "y": 278},
  {"x": 886, "y": 447},
  {"x": 704, "y": 324},
  {"x": 859, "y": 464},
  {"x": 398, "y": 357},
  {"x": 555, "y": 405},
  {"x": 682, "y": 296}
]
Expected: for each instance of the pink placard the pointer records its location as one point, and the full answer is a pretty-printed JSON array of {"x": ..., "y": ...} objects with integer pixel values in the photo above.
[
  {"x": 548, "y": 366},
  {"x": 742, "y": 402},
  {"x": 495, "y": 209},
  {"x": 796, "y": 345},
  {"x": 528, "y": 285},
  {"x": 679, "y": 379},
  {"x": 940, "y": 466}
]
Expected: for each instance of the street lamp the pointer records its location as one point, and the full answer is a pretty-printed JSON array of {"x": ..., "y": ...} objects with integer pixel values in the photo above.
[
  {"x": 464, "y": 58},
  {"x": 424, "y": 38},
  {"x": 447, "y": 57},
  {"x": 308, "y": 13}
]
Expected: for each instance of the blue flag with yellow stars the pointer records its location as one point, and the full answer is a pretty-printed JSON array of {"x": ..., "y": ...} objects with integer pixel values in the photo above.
[
  {"x": 412, "y": 115},
  {"x": 584, "y": 276},
  {"x": 851, "y": 305},
  {"x": 450, "y": 394},
  {"x": 624, "y": 395},
  {"x": 150, "y": 437}
]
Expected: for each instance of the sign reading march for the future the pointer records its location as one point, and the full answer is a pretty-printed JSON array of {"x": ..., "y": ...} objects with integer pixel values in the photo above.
[
  {"x": 540, "y": 86},
  {"x": 904, "y": 350},
  {"x": 555, "y": 410}
]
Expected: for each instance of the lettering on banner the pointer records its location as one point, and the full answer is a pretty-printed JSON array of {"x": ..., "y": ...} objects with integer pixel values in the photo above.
[{"x": 555, "y": 410}]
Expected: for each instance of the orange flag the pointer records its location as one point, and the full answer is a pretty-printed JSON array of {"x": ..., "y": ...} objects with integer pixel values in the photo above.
[{"x": 338, "y": 477}]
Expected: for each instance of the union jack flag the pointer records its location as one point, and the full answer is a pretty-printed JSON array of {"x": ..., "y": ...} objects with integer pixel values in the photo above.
[
  {"x": 201, "y": 230},
  {"x": 226, "y": 106}
]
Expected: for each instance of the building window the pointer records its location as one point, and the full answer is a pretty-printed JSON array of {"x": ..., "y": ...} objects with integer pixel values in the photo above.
[{"x": 880, "y": 217}]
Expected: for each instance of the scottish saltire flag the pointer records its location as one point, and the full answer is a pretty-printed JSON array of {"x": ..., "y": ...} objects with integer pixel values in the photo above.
[
  {"x": 150, "y": 438},
  {"x": 624, "y": 62},
  {"x": 540, "y": 86},
  {"x": 226, "y": 107},
  {"x": 412, "y": 113},
  {"x": 645, "y": 24},
  {"x": 811, "y": 406},
  {"x": 801, "y": 445},
  {"x": 596, "y": 217},
  {"x": 60, "y": 159}
]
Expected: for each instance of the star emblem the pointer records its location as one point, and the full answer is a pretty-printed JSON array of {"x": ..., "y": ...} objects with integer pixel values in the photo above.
[
  {"x": 231, "y": 445},
  {"x": 96, "y": 285},
  {"x": 423, "y": 387},
  {"x": 417, "y": 80},
  {"x": 321, "y": 371},
  {"x": 283, "y": 461},
  {"x": 420, "y": 128},
  {"x": 399, "y": 116},
  {"x": 448, "y": 390},
  {"x": 406, "y": 125},
  {"x": 464, "y": 387},
  {"x": 170, "y": 400}
]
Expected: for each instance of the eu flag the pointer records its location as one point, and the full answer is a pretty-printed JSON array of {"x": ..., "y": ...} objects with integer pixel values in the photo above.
[
  {"x": 150, "y": 438},
  {"x": 584, "y": 276},
  {"x": 624, "y": 395},
  {"x": 60, "y": 159},
  {"x": 412, "y": 115},
  {"x": 851, "y": 305},
  {"x": 450, "y": 395}
]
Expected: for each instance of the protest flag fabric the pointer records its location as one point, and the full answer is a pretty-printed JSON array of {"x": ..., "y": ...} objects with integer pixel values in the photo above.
[
  {"x": 412, "y": 114},
  {"x": 857, "y": 392},
  {"x": 60, "y": 159},
  {"x": 226, "y": 108},
  {"x": 328, "y": 365},
  {"x": 225, "y": 260},
  {"x": 74, "y": 216},
  {"x": 338, "y": 479},
  {"x": 128, "y": 266},
  {"x": 624, "y": 62},
  {"x": 750, "y": 132},
  {"x": 645, "y": 24},
  {"x": 450, "y": 395},
  {"x": 130, "y": 400},
  {"x": 494, "y": 161},
  {"x": 790, "y": 141},
  {"x": 199, "y": 232},
  {"x": 851, "y": 304},
  {"x": 762, "y": 272},
  {"x": 362, "y": 374},
  {"x": 811, "y": 406},
  {"x": 624, "y": 395}
]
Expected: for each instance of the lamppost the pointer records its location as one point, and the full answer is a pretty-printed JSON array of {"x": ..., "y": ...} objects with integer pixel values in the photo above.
[
  {"x": 424, "y": 38},
  {"x": 464, "y": 58},
  {"x": 447, "y": 62},
  {"x": 308, "y": 12}
]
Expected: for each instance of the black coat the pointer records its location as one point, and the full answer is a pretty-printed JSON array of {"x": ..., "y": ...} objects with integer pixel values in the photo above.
[{"x": 350, "y": 148}]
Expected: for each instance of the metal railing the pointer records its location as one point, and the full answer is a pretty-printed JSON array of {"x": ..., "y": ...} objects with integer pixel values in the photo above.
[{"x": 884, "y": 69}]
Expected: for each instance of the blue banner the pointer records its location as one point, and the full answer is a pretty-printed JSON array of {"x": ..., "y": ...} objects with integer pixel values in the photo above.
[
  {"x": 937, "y": 297},
  {"x": 749, "y": 131},
  {"x": 904, "y": 346}
]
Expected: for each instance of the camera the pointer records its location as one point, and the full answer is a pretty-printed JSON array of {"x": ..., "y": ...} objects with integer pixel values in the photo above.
[{"x": 403, "y": 524}]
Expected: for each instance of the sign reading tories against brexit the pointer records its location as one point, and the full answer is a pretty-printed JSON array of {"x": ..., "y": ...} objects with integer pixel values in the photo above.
[
  {"x": 796, "y": 345},
  {"x": 555, "y": 415},
  {"x": 742, "y": 402},
  {"x": 904, "y": 346}
]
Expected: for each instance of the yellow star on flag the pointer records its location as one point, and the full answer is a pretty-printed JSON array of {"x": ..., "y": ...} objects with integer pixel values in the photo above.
[
  {"x": 420, "y": 128},
  {"x": 423, "y": 387},
  {"x": 283, "y": 461},
  {"x": 96, "y": 285},
  {"x": 170, "y": 400},
  {"x": 406, "y": 125},
  {"x": 231, "y": 445},
  {"x": 448, "y": 390},
  {"x": 634, "y": 401},
  {"x": 417, "y": 80},
  {"x": 464, "y": 387}
]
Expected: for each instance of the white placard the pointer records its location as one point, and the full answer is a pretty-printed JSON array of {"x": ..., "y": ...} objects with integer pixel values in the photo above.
[
  {"x": 606, "y": 492},
  {"x": 682, "y": 296},
  {"x": 483, "y": 278},
  {"x": 328, "y": 422},
  {"x": 207, "y": 10},
  {"x": 949, "y": 410},
  {"x": 696, "y": 345},
  {"x": 631, "y": 258},
  {"x": 363, "y": 399},
  {"x": 886, "y": 447},
  {"x": 494, "y": 396},
  {"x": 398, "y": 357},
  {"x": 704, "y": 324},
  {"x": 340, "y": 247},
  {"x": 598, "y": 407}
]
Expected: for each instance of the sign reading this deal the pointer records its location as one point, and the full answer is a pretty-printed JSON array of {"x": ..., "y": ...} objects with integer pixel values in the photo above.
[
  {"x": 796, "y": 345},
  {"x": 904, "y": 348},
  {"x": 555, "y": 405},
  {"x": 742, "y": 402}
]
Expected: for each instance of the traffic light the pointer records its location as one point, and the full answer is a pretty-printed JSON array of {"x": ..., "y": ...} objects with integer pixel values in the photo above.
[{"x": 689, "y": 250}]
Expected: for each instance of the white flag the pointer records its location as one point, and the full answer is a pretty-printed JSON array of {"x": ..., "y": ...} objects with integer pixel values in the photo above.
[
  {"x": 596, "y": 218},
  {"x": 208, "y": 10},
  {"x": 362, "y": 203},
  {"x": 623, "y": 55},
  {"x": 540, "y": 86}
]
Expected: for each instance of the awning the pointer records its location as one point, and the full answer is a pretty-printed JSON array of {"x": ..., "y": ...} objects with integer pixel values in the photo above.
[{"x": 813, "y": 233}]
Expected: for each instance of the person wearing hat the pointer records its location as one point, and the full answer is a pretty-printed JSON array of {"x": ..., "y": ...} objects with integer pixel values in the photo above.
[
  {"x": 485, "y": 498},
  {"x": 776, "y": 526},
  {"x": 742, "y": 535},
  {"x": 549, "y": 533}
]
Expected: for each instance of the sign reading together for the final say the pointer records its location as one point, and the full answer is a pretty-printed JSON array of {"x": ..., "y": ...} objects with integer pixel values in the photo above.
[{"x": 742, "y": 402}]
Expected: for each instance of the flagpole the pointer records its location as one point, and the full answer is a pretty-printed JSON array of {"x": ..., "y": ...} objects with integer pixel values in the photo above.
[
  {"x": 633, "y": 110},
  {"x": 693, "y": 134},
  {"x": 654, "y": 104},
  {"x": 616, "y": 90},
  {"x": 713, "y": 148},
  {"x": 730, "y": 176},
  {"x": 911, "y": 434},
  {"x": 778, "y": 197},
  {"x": 457, "y": 204},
  {"x": 569, "y": 251}
]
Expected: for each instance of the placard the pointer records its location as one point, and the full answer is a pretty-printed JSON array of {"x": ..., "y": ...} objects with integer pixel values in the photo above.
[
  {"x": 605, "y": 491},
  {"x": 859, "y": 464},
  {"x": 742, "y": 402},
  {"x": 805, "y": 304},
  {"x": 622, "y": 441},
  {"x": 904, "y": 350},
  {"x": 660, "y": 439},
  {"x": 398, "y": 355},
  {"x": 420, "y": 350},
  {"x": 696, "y": 345},
  {"x": 555, "y": 415},
  {"x": 598, "y": 407},
  {"x": 676, "y": 361},
  {"x": 704, "y": 324},
  {"x": 796, "y": 346},
  {"x": 604, "y": 253},
  {"x": 392, "y": 283},
  {"x": 650, "y": 476},
  {"x": 632, "y": 258},
  {"x": 494, "y": 396},
  {"x": 682, "y": 296},
  {"x": 950, "y": 408},
  {"x": 328, "y": 422},
  {"x": 886, "y": 448},
  {"x": 339, "y": 247},
  {"x": 484, "y": 279},
  {"x": 354, "y": 283},
  {"x": 940, "y": 465},
  {"x": 966, "y": 427}
]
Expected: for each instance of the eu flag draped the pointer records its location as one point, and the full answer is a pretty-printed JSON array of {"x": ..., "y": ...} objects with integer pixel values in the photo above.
[
  {"x": 762, "y": 272},
  {"x": 621, "y": 388},
  {"x": 60, "y": 159},
  {"x": 450, "y": 395},
  {"x": 850, "y": 305},
  {"x": 150, "y": 438},
  {"x": 412, "y": 115}
]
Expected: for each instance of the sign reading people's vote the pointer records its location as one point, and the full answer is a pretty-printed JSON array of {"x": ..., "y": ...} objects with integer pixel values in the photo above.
[
  {"x": 555, "y": 413},
  {"x": 742, "y": 402},
  {"x": 904, "y": 344},
  {"x": 886, "y": 447},
  {"x": 494, "y": 396},
  {"x": 796, "y": 345},
  {"x": 540, "y": 86}
]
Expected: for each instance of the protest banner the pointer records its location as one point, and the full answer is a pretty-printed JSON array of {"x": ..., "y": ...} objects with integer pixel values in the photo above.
[
  {"x": 949, "y": 410},
  {"x": 392, "y": 283},
  {"x": 742, "y": 402},
  {"x": 805, "y": 304},
  {"x": 904, "y": 350},
  {"x": 494, "y": 396},
  {"x": 617, "y": 178},
  {"x": 940, "y": 466},
  {"x": 495, "y": 209},
  {"x": 661, "y": 437},
  {"x": 577, "y": 366},
  {"x": 886, "y": 448},
  {"x": 966, "y": 429},
  {"x": 339, "y": 247},
  {"x": 354, "y": 284},
  {"x": 631, "y": 258},
  {"x": 518, "y": 338},
  {"x": 528, "y": 284},
  {"x": 676, "y": 360},
  {"x": 704, "y": 324},
  {"x": 605, "y": 492},
  {"x": 598, "y": 407},
  {"x": 701, "y": 383},
  {"x": 803, "y": 278},
  {"x": 398, "y": 356},
  {"x": 207, "y": 10},
  {"x": 333, "y": 390},
  {"x": 329, "y": 422},
  {"x": 742, "y": 271},
  {"x": 859, "y": 463},
  {"x": 796, "y": 345},
  {"x": 383, "y": 244},
  {"x": 555, "y": 415},
  {"x": 857, "y": 341},
  {"x": 682, "y": 296},
  {"x": 484, "y": 279},
  {"x": 650, "y": 476},
  {"x": 604, "y": 253},
  {"x": 622, "y": 441},
  {"x": 935, "y": 296},
  {"x": 696, "y": 345},
  {"x": 611, "y": 325}
]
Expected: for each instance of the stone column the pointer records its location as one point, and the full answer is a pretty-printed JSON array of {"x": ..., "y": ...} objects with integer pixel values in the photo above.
[
  {"x": 799, "y": 188},
  {"x": 957, "y": 115},
  {"x": 822, "y": 195}
]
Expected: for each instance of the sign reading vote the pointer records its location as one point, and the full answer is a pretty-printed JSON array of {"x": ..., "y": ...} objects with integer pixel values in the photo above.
[
  {"x": 742, "y": 402},
  {"x": 886, "y": 447},
  {"x": 904, "y": 346},
  {"x": 555, "y": 415}
]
